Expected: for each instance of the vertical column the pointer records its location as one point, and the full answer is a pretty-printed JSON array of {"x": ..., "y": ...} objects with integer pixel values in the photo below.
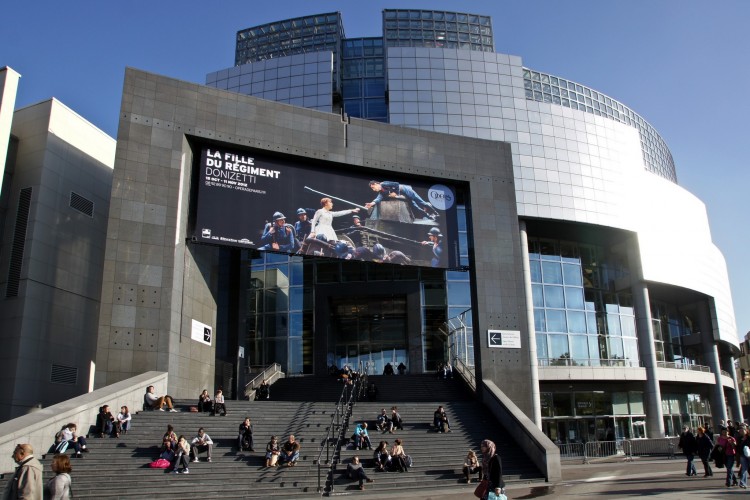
[
  {"x": 734, "y": 397},
  {"x": 8, "y": 88},
  {"x": 646, "y": 344},
  {"x": 534, "y": 382},
  {"x": 711, "y": 355}
]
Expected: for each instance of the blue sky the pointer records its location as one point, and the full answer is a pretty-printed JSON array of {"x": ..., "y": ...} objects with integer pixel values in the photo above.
[{"x": 681, "y": 64}]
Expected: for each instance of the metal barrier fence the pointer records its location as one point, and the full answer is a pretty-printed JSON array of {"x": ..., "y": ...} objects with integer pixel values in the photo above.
[
  {"x": 626, "y": 450},
  {"x": 602, "y": 450},
  {"x": 651, "y": 447},
  {"x": 571, "y": 451}
]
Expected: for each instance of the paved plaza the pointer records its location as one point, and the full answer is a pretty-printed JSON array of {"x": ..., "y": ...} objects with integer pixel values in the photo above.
[{"x": 656, "y": 478}]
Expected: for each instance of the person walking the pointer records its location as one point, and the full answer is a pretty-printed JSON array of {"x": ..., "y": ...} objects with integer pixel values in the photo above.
[
  {"x": 705, "y": 447},
  {"x": 27, "y": 479},
  {"x": 689, "y": 446},
  {"x": 729, "y": 446},
  {"x": 59, "y": 487},
  {"x": 492, "y": 467},
  {"x": 743, "y": 452}
]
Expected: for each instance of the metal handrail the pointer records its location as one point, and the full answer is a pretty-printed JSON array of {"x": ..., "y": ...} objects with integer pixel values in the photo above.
[
  {"x": 268, "y": 373},
  {"x": 331, "y": 444},
  {"x": 466, "y": 372}
]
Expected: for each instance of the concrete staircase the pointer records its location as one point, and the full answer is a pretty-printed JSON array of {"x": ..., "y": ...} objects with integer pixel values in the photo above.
[{"x": 117, "y": 468}]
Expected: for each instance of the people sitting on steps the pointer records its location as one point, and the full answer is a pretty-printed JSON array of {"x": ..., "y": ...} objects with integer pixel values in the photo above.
[
  {"x": 264, "y": 392},
  {"x": 383, "y": 423},
  {"x": 440, "y": 420},
  {"x": 219, "y": 405},
  {"x": 105, "y": 422},
  {"x": 202, "y": 442},
  {"x": 122, "y": 423},
  {"x": 290, "y": 452},
  {"x": 205, "y": 403},
  {"x": 245, "y": 437},
  {"x": 355, "y": 471},
  {"x": 362, "y": 437},
  {"x": 273, "y": 451},
  {"x": 68, "y": 438},
  {"x": 396, "y": 422},
  {"x": 382, "y": 456},
  {"x": 169, "y": 439},
  {"x": 151, "y": 400}
]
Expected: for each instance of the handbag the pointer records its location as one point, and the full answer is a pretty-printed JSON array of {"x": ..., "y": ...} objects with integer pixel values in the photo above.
[{"x": 481, "y": 489}]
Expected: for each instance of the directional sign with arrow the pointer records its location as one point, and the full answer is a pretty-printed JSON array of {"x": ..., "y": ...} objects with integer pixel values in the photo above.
[{"x": 508, "y": 339}]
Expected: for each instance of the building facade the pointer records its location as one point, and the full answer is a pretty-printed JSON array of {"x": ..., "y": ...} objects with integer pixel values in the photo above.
[
  {"x": 614, "y": 295},
  {"x": 54, "y": 209}
]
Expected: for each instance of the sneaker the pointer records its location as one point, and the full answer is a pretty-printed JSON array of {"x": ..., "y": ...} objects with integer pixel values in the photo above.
[
  {"x": 209, "y": 459},
  {"x": 194, "y": 460},
  {"x": 362, "y": 487},
  {"x": 172, "y": 410},
  {"x": 186, "y": 471},
  {"x": 175, "y": 471},
  {"x": 161, "y": 409}
]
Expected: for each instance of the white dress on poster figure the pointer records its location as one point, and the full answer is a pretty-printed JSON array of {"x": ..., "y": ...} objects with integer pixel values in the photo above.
[{"x": 323, "y": 220}]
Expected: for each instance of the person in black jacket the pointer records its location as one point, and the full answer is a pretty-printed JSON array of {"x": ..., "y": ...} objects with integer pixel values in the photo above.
[
  {"x": 689, "y": 446},
  {"x": 492, "y": 466},
  {"x": 705, "y": 446},
  {"x": 245, "y": 436}
]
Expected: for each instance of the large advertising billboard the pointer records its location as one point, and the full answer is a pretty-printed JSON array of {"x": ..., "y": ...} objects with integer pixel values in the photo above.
[{"x": 254, "y": 200}]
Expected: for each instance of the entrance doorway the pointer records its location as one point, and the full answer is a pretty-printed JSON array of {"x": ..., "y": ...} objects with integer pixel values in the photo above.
[{"x": 371, "y": 330}]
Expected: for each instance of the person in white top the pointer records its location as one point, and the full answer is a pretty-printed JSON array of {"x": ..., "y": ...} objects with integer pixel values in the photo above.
[
  {"x": 219, "y": 405},
  {"x": 322, "y": 223},
  {"x": 202, "y": 442},
  {"x": 122, "y": 423}
]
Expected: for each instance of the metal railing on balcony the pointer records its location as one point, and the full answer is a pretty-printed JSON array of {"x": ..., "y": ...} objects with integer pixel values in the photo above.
[
  {"x": 683, "y": 366},
  {"x": 594, "y": 362}
]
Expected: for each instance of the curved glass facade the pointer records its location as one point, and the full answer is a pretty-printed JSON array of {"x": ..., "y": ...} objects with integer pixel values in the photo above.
[
  {"x": 544, "y": 87},
  {"x": 438, "y": 29}
]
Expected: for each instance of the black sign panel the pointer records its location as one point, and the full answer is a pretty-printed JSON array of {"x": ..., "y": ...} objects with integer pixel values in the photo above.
[{"x": 256, "y": 201}]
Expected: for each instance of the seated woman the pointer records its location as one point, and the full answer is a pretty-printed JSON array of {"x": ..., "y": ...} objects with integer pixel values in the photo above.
[
  {"x": 182, "y": 458},
  {"x": 382, "y": 456},
  {"x": 471, "y": 466},
  {"x": 122, "y": 422},
  {"x": 169, "y": 437},
  {"x": 204, "y": 402},
  {"x": 68, "y": 435},
  {"x": 399, "y": 457},
  {"x": 219, "y": 405},
  {"x": 273, "y": 450}
]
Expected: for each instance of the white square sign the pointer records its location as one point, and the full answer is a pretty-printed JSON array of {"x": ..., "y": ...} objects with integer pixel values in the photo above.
[{"x": 202, "y": 333}]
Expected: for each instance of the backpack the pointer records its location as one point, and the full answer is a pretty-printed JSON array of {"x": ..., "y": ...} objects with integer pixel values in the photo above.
[
  {"x": 159, "y": 463},
  {"x": 408, "y": 461},
  {"x": 61, "y": 447}
]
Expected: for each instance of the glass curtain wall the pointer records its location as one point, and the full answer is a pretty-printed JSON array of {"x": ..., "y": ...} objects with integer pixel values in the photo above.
[
  {"x": 580, "y": 319},
  {"x": 582, "y": 416},
  {"x": 672, "y": 329},
  {"x": 363, "y": 79}
]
